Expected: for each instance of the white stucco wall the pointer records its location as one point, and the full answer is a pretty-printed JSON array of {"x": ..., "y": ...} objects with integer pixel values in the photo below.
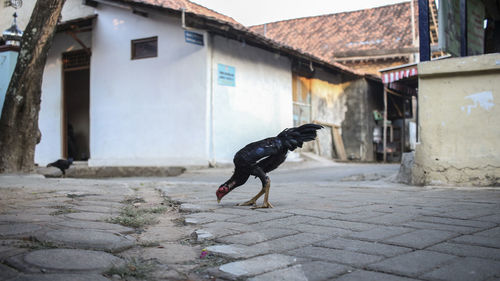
[
  {"x": 157, "y": 111},
  {"x": 260, "y": 103},
  {"x": 50, "y": 117},
  {"x": 72, "y": 9},
  {"x": 149, "y": 111}
]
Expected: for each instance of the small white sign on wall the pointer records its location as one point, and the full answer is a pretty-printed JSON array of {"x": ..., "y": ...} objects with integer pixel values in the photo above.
[{"x": 226, "y": 75}]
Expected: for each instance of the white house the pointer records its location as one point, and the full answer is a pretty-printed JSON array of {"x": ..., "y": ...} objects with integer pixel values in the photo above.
[{"x": 157, "y": 83}]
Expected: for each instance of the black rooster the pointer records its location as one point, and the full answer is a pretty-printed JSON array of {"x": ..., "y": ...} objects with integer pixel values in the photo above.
[
  {"x": 259, "y": 158},
  {"x": 62, "y": 164}
]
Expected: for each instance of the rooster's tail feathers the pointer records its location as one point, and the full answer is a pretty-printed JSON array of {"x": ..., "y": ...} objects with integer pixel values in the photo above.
[{"x": 295, "y": 137}]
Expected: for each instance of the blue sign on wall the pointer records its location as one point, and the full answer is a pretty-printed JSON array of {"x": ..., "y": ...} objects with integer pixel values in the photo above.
[
  {"x": 226, "y": 75},
  {"x": 193, "y": 37}
]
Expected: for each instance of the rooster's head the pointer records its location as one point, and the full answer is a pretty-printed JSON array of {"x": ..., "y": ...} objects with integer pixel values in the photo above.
[{"x": 222, "y": 191}]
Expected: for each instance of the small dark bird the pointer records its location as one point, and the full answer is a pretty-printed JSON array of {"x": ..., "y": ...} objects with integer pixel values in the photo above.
[
  {"x": 62, "y": 164},
  {"x": 261, "y": 157}
]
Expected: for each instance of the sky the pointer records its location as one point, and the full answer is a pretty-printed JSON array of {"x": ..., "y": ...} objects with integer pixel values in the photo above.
[{"x": 253, "y": 12}]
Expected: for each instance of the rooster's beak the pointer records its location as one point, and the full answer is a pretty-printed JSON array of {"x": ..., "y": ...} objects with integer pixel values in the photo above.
[{"x": 218, "y": 201}]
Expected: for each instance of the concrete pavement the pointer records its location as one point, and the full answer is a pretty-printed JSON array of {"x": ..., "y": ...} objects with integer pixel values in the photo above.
[
  {"x": 87, "y": 229},
  {"x": 337, "y": 223},
  {"x": 329, "y": 222}
]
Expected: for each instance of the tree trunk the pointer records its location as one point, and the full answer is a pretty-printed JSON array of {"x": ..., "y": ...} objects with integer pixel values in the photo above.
[{"x": 19, "y": 131}]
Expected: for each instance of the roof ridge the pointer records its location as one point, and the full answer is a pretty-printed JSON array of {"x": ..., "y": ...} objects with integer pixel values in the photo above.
[
  {"x": 332, "y": 14},
  {"x": 237, "y": 31},
  {"x": 199, "y": 5}
]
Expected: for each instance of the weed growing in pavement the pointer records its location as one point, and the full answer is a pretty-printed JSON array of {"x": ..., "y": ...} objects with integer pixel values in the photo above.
[
  {"x": 179, "y": 222},
  {"x": 133, "y": 217},
  {"x": 170, "y": 203},
  {"x": 35, "y": 244},
  {"x": 156, "y": 210},
  {"x": 133, "y": 200},
  {"x": 137, "y": 217},
  {"x": 134, "y": 267}
]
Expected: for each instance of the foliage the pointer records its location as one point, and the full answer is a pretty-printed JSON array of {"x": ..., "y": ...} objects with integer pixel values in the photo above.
[{"x": 136, "y": 268}]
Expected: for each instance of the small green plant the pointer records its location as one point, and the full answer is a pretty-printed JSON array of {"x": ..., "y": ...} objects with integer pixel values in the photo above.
[
  {"x": 134, "y": 211},
  {"x": 135, "y": 222},
  {"x": 136, "y": 268},
  {"x": 179, "y": 222},
  {"x": 35, "y": 244},
  {"x": 171, "y": 203},
  {"x": 156, "y": 210},
  {"x": 133, "y": 200},
  {"x": 134, "y": 217}
]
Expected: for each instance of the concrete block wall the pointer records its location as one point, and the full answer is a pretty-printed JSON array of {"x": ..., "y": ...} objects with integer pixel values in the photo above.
[{"x": 459, "y": 122}]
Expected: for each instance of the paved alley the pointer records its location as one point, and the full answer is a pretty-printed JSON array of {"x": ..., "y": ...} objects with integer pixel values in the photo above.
[
  {"x": 333, "y": 222},
  {"x": 345, "y": 222}
]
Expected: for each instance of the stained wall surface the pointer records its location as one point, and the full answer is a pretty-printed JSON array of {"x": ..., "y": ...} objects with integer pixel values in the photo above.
[{"x": 459, "y": 119}]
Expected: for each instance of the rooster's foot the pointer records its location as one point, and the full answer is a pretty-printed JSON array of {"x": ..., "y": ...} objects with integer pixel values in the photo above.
[
  {"x": 264, "y": 205},
  {"x": 248, "y": 203}
]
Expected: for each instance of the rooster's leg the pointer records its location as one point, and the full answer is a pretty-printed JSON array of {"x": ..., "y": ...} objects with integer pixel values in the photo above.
[
  {"x": 252, "y": 201},
  {"x": 266, "y": 203},
  {"x": 266, "y": 185},
  {"x": 258, "y": 172}
]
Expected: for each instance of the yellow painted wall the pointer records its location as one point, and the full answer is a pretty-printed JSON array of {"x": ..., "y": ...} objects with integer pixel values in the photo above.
[
  {"x": 328, "y": 105},
  {"x": 459, "y": 122},
  {"x": 344, "y": 103},
  {"x": 328, "y": 100}
]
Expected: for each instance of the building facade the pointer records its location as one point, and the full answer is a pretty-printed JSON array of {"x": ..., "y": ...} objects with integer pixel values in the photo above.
[{"x": 167, "y": 83}]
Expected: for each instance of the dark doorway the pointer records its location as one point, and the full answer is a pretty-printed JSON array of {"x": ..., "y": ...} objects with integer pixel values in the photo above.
[{"x": 76, "y": 122}]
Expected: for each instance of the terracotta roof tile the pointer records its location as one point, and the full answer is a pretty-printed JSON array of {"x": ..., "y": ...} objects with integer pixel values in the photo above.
[
  {"x": 245, "y": 32},
  {"x": 335, "y": 35},
  {"x": 189, "y": 7}
]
